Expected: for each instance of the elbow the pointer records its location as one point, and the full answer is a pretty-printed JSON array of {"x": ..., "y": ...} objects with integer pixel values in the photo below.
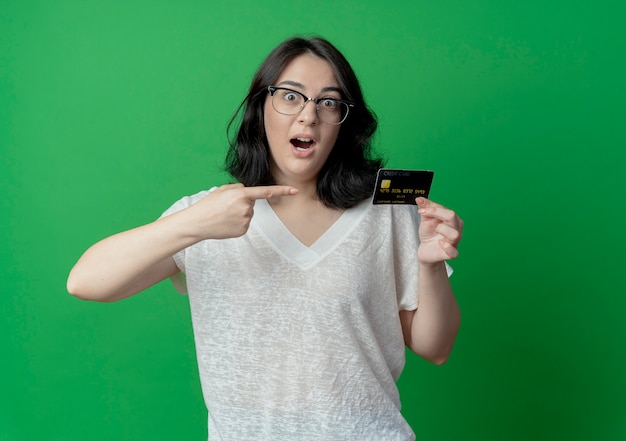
[
  {"x": 440, "y": 361},
  {"x": 72, "y": 286},
  {"x": 436, "y": 352},
  {"x": 438, "y": 358},
  {"x": 82, "y": 289},
  {"x": 76, "y": 288},
  {"x": 441, "y": 352}
]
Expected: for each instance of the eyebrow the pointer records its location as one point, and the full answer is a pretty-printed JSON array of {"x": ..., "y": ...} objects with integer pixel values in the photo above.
[{"x": 301, "y": 86}]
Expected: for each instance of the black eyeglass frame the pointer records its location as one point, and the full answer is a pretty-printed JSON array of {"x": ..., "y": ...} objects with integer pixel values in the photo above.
[{"x": 273, "y": 89}]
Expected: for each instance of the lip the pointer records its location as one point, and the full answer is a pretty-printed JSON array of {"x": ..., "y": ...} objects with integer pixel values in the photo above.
[
  {"x": 303, "y": 153},
  {"x": 304, "y": 135}
]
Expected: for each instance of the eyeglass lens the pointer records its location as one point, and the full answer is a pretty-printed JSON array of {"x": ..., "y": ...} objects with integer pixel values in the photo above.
[{"x": 289, "y": 102}]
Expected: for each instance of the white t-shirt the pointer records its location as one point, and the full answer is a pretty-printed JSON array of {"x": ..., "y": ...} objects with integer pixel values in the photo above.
[{"x": 304, "y": 343}]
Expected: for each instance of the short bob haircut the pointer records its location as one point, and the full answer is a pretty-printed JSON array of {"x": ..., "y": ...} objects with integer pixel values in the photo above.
[{"x": 348, "y": 176}]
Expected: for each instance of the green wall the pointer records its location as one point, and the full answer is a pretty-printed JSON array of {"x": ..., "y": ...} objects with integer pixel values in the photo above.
[{"x": 111, "y": 110}]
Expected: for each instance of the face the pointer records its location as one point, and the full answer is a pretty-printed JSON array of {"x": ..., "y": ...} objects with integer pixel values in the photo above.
[{"x": 300, "y": 144}]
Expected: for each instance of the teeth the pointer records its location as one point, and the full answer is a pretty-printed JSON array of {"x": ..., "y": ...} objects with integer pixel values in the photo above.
[{"x": 302, "y": 144}]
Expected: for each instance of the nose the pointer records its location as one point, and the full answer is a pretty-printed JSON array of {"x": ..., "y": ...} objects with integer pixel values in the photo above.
[{"x": 308, "y": 114}]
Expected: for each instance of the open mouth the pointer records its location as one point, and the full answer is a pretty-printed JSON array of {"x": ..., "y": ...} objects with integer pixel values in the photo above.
[{"x": 302, "y": 144}]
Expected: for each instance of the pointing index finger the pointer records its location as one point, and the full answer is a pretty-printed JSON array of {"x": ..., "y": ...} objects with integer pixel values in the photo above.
[{"x": 268, "y": 191}]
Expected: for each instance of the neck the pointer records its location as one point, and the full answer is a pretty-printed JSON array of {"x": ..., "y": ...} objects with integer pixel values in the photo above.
[
  {"x": 307, "y": 187},
  {"x": 306, "y": 197}
]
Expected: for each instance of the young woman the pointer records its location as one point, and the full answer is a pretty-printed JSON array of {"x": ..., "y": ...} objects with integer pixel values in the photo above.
[{"x": 303, "y": 294}]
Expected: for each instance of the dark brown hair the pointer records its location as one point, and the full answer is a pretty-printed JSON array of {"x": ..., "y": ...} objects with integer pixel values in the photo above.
[{"x": 348, "y": 175}]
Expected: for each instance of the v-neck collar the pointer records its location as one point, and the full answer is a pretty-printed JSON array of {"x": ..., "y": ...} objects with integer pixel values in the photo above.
[{"x": 283, "y": 240}]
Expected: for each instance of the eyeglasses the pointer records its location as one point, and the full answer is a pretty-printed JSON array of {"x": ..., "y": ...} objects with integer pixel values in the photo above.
[{"x": 291, "y": 102}]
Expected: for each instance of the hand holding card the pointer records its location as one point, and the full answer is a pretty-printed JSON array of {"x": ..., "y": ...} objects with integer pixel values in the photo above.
[{"x": 395, "y": 186}]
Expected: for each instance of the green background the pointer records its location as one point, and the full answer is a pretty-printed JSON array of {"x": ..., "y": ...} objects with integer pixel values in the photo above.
[{"x": 112, "y": 110}]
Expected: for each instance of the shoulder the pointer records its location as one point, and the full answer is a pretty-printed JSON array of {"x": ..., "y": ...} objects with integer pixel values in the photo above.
[
  {"x": 404, "y": 221},
  {"x": 397, "y": 215},
  {"x": 186, "y": 201},
  {"x": 400, "y": 213},
  {"x": 405, "y": 213},
  {"x": 385, "y": 220}
]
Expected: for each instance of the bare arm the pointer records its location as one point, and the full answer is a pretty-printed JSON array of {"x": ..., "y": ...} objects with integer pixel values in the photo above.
[
  {"x": 129, "y": 262},
  {"x": 430, "y": 331}
]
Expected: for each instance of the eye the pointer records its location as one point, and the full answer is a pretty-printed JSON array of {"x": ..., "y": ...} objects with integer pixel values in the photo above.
[
  {"x": 290, "y": 97},
  {"x": 329, "y": 104}
]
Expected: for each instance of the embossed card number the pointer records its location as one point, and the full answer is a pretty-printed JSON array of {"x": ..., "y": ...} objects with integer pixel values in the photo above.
[{"x": 401, "y": 186}]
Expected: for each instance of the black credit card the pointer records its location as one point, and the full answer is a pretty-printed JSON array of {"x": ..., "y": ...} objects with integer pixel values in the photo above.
[{"x": 401, "y": 186}]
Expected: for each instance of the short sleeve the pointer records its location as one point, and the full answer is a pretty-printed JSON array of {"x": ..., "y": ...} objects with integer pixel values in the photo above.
[
  {"x": 405, "y": 224},
  {"x": 179, "y": 280}
]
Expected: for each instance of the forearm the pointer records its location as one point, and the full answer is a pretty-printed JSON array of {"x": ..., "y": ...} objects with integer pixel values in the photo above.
[
  {"x": 129, "y": 262},
  {"x": 432, "y": 331}
]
